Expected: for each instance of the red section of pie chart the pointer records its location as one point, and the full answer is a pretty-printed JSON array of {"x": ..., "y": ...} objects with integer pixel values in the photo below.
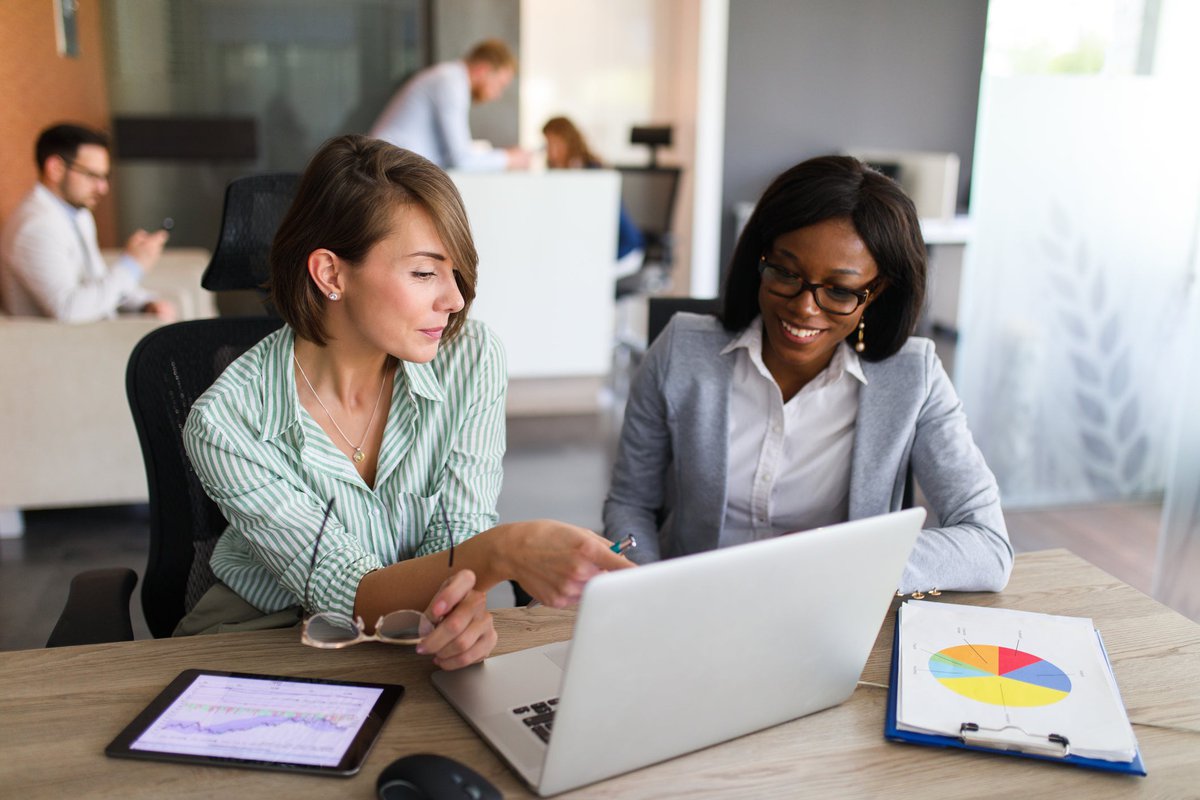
[{"x": 1014, "y": 659}]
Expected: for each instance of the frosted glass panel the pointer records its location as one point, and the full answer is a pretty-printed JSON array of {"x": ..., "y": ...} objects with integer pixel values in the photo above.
[
  {"x": 1179, "y": 542},
  {"x": 1085, "y": 200}
]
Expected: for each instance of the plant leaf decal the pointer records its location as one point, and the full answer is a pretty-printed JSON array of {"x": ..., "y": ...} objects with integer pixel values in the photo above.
[
  {"x": 1135, "y": 459},
  {"x": 1118, "y": 378},
  {"x": 1098, "y": 448},
  {"x": 1091, "y": 409},
  {"x": 1110, "y": 333},
  {"x": 1074, "y": 325},
  {"x": 1085, "y": 369},
  {"x": 1127, "y": 420}
]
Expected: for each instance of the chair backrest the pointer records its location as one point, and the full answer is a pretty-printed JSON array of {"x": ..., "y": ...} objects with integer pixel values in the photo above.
[
  {"x": 254, "y": 207},
  {"x": 649, "y": 196},
  {"x": 168, "y": 370},
  {"x": 661, "y": 309}
]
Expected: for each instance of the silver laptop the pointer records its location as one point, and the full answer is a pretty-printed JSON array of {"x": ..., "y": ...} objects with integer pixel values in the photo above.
[{"x": 682, "y": 654}]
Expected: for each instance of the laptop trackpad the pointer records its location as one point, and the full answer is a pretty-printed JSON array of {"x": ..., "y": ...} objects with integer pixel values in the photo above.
[{"x": 557, "y": 653}]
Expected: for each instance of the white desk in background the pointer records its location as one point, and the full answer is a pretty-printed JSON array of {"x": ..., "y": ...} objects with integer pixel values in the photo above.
[
  {"x": 547, "y": 242},
  {"x": 946, "y": 241}
]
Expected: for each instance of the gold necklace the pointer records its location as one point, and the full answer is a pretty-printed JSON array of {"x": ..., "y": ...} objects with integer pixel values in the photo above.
[{"x": 359, "y": 455}]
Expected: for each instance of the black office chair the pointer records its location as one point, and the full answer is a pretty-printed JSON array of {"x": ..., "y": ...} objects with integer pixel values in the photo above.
[
  {"x": 168, "y": 370},
  {"x": 254, "y": 207},
  {"x": 661, "y": 309},
  {"x": 649, "y": 194}
]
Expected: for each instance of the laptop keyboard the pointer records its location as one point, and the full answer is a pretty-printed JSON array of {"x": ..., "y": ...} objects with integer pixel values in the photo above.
[{"x": 538, "y": 717}]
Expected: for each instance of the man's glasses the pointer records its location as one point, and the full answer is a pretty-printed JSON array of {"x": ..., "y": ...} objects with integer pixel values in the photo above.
[
  {"x": 84, "y": 171},
  {"x": 833, "y": 299},
  {"x": 331, "y": 630}
]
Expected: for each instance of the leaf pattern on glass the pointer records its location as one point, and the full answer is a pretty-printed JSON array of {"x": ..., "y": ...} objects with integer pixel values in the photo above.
[
  {"x": 1128, "y": 419},
  {"x": 1135, "y": 459},
  {"x": 1091, "y": 408},
  {"x": 1110, "y": 333},
  {"x": 1113, "y": 446},
  {"x": 1085, "y": 370}
]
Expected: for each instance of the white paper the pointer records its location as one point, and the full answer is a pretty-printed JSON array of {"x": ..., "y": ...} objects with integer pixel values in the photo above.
[{"x": 1020, "y": 676}]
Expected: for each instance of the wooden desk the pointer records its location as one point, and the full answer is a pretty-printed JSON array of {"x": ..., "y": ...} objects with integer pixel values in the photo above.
[{"x": 59, "y": 708}]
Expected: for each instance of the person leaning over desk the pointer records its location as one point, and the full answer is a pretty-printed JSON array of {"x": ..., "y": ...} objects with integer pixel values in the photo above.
[
  {"x": 803, "y": 404},
  {"x": 380, "y": 394}
]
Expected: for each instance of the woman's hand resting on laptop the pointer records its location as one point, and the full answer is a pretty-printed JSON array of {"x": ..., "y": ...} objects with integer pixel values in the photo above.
[{"x": 463, "y": 630}]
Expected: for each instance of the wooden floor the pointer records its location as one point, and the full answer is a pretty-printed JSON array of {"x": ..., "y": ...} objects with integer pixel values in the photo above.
[{"x": 1119, "y": 538}]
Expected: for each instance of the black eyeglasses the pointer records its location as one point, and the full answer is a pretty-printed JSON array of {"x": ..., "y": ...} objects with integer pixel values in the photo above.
[
  {"x": 450, "y": 533},
  {"x": 87, "y": 173},
  {"x": 833, "y": 299},
  {"x": 316, "y": 546}
]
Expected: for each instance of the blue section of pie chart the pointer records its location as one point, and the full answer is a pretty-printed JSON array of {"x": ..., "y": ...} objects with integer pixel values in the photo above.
[
  {"x": 1042, "y": 673},
  {"x": 954, "y": 669}
]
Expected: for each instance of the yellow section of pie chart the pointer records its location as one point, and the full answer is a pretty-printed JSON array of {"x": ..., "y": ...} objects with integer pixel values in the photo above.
[{"x": 1003, "y": 691}]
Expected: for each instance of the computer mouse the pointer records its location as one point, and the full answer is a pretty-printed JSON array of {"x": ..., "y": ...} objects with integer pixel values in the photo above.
[{"x": 425, "y": 776}]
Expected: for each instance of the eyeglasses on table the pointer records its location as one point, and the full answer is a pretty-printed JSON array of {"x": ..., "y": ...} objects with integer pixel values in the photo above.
[{"x": 333, "y": 630}]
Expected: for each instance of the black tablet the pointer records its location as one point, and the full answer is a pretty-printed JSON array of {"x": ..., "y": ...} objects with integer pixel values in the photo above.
[{"x": 236, "y": 719}]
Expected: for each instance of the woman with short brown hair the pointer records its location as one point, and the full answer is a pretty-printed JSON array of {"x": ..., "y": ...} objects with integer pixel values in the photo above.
[{"x": 382, "y": 403}]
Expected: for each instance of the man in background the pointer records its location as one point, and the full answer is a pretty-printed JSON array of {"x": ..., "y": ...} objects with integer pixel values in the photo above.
[
  {"x": 430, "y": 113},
  {"x": 50, "y": 262}
]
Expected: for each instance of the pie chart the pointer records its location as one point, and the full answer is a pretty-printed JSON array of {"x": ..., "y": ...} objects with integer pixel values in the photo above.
[{"x": 999, "y": 676}]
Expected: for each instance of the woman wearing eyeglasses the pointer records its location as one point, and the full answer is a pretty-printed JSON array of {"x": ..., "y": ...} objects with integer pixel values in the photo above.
[
  {"x": 378, "y": 393},
  {"x": 805, "y": 403}
]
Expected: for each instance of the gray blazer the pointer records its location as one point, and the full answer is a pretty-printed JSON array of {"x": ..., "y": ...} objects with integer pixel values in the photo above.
[{"x": 674, "y": 452}]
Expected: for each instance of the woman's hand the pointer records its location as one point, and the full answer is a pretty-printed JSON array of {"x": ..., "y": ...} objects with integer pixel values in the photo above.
[
  {"x": 553, "y": 560},
  {"x": 463, "y": 630}
]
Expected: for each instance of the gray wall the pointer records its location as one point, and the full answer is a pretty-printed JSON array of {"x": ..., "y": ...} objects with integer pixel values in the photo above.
[{"x": 809, "y": 77}]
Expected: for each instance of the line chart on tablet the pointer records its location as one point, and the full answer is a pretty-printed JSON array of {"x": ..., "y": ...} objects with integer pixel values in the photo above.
[{"x": 245, "y": 718}]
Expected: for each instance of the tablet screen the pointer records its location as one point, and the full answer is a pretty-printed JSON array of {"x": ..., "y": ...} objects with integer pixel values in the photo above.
[{"x": 276, "y": 722}]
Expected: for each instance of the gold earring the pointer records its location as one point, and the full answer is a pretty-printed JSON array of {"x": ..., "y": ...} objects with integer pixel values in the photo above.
[{"x": 858, "y": 348}]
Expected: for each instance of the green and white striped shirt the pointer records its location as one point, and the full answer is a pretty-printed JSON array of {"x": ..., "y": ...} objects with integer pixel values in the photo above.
[{"x": 272, "y": 469}]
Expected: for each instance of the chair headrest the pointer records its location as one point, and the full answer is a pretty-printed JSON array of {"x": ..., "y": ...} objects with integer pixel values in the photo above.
[{"x": 254, "y": 207}]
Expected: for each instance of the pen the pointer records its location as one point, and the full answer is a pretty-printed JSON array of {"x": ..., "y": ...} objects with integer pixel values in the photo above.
[{"x": 628, "y": 543}]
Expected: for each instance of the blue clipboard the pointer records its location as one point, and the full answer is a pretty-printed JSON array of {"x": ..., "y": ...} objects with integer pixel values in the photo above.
[{"x": 890, "y": 731}]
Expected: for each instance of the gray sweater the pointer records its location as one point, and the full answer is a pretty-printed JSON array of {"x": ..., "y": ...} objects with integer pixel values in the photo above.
[{"x": 668, "y": 486}]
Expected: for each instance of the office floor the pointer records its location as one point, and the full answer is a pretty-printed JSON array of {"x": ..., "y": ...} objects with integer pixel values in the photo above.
[{"x": 555, "y": 467}]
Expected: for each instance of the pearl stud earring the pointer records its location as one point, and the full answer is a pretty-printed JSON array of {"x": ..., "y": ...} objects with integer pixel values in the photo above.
[{"x": 334, "y": 295}]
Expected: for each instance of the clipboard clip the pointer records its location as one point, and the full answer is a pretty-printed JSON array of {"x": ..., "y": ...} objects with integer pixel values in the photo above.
[{"x": 1011, "y": 737}]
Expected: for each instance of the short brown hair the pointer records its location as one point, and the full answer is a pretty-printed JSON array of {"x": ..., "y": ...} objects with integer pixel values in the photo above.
[
  {"x": 64, "y": 140},
  {"x": 344, "y": 204},
  {"x": 494, "y": 53}
]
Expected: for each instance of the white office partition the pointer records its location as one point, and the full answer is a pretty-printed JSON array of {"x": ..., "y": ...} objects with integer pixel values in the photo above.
[
  {"x": 547, "y": 247},
  {"x": 1085, "y": 198}
]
